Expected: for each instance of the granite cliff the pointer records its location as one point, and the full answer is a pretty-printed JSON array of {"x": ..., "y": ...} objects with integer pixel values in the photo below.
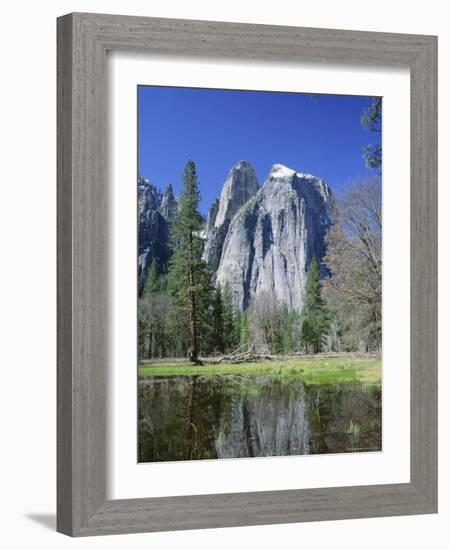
[{"x": 267, "y": 243}]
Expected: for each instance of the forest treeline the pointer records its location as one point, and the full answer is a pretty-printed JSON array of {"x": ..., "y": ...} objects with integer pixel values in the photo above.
[{"x": 183, "y": 313}]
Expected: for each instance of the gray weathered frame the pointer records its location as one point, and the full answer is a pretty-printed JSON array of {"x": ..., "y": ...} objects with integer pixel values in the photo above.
[{"x": 83, "y": 40}]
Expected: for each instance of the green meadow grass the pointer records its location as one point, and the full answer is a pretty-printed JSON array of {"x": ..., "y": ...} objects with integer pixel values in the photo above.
[{"x": 310, "y": 369}]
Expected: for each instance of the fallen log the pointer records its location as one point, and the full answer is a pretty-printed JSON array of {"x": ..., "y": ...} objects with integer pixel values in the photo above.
[{"x": 246, "y": 357}]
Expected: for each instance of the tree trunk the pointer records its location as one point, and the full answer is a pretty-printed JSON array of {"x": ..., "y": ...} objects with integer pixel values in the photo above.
[{"x": 192, "y": 306}]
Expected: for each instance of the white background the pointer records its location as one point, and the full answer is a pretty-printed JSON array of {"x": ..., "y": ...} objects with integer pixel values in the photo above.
[
  {"x": 27, "y": 289},
  {"x": 131, "y": 480}
]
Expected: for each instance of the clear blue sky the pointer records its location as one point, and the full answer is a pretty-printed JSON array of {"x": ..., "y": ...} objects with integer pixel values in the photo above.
[{"x": 320, "y": 134}]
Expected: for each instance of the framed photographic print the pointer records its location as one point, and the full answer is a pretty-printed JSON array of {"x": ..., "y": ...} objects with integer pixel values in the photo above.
[
  {"x": 259, "y": 311},
  {"x": 246, "y": 274}
]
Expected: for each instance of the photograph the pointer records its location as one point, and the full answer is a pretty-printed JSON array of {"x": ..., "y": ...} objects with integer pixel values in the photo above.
[{"x": 259, "y": 273}]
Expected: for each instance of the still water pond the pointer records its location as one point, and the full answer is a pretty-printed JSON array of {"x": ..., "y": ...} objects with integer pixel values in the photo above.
[{"x": 228, "y": 416}]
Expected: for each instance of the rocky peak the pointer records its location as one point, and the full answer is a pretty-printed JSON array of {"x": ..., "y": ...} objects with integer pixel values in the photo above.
[
  {"x": 240, "y": 185},
  {"x": 280, "y": 174},
  {"x": 168, "y": 202},
  {"x": 211, "y": 216},
  {"x": 279, "y": 171},
  {"x": 148, "y": 196}
]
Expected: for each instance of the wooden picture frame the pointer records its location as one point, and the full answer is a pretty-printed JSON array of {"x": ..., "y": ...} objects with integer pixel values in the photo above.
[{"x": 83, "y": 40}]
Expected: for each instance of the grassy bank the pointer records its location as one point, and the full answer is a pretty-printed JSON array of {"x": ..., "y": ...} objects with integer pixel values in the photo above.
[{"x": 310, "y": 369}]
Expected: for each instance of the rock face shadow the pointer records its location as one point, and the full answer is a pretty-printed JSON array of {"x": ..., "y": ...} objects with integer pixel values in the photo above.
[{"x": 46, "y": 520}]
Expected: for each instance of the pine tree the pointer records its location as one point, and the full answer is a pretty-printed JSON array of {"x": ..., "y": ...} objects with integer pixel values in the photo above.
[
  {"x": 152, "y": 283},
  {"x": 288, "y": 337},
  {"x": 217, "y": 320},
  {"x": 236, "y": 328},
  {"x": 189, "y": 279},
  {"x": 315, "y": 315},
  {"x": 228, "y": 319},
  {"x": 244, "y": 331}
]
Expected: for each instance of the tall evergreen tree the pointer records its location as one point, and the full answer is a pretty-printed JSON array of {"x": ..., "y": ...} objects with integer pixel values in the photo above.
[
  {"x": 315, "y": 315},
  {"x": 290, "y": 322},
  {"x": 152, "y": 282},
  {"x": 217, "y": 335},
  {"x": 236, "y": 327},
  {"x": 229, "y": 321},
  {"x": 244, "y": 331},
  {"x": 189, "y": 279}
]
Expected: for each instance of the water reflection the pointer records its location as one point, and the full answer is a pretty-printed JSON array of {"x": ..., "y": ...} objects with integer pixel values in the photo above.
[{"x": 228, "y": 416}]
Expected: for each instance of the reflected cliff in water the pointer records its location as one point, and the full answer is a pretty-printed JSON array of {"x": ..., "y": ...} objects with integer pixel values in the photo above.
[{"x": 199, "y": 417}]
